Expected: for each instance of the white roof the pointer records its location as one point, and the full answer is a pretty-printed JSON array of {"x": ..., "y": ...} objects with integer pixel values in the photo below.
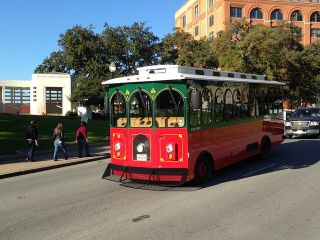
[{"x": 159, "y": 73}]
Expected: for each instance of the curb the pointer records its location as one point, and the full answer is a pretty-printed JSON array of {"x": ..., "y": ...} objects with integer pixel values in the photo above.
[
  {"x": 5, "y": 158},
  {"x": 63, "y": 164}
]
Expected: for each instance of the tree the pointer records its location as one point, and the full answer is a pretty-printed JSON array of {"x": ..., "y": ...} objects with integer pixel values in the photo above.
[
  {"x": 182, "y": 49},
  {"x": 54, "y": 63},
  {"x": 130, "y": 46},
  {"x": 274, "y": 52},
  {"x": 259, "y": 49},
  {"x": 304, "y": 85},
  {"x": 84, "y": 56},
  {"x": 227, "y": 46}
]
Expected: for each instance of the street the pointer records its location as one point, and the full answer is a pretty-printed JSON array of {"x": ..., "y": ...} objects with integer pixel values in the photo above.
[{"x": 272, "y": 198}]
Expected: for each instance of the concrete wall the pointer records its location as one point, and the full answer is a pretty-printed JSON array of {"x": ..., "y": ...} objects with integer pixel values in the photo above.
[{"x": 37, "y": 86}]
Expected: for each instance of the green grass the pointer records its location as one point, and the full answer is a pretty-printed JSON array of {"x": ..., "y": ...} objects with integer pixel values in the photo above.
[{"x": 13, "y": 131}]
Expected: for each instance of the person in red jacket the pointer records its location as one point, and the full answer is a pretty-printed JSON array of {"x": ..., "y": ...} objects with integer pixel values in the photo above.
[{"x": 82, "y": 139}]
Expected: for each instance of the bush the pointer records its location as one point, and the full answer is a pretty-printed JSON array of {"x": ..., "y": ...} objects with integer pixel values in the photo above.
[
  {"x": 98, "y": 115},
  {"x": 71, "y": 114}
]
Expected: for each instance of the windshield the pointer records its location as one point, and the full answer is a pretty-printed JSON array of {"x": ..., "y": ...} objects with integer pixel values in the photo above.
[
  {"x": 118, "y": 103},
  {"x": 169, "y": 111},
  {"x": 307, "y": 113},
  {"x": 161, "y": 107},
  {"x": 140, "y": 106}
]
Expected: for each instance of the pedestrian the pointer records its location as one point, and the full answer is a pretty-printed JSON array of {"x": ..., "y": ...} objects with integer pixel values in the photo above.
[
  {"x": 82, "y": 139},
  {"x": 59, "y": 137},
  {"x": 32, "y": 140}
]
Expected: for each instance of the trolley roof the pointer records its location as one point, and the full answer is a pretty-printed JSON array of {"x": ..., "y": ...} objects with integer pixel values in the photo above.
[{"x": 161, "y": 73}]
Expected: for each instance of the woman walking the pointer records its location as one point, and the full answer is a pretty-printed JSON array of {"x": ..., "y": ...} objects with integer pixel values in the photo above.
[{"x": 58, "y": 135}]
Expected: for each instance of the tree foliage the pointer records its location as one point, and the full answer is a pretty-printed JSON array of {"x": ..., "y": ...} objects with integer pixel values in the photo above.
[
  {"x": 131, "y": 46},
  {"x": 182, "y": 49}
]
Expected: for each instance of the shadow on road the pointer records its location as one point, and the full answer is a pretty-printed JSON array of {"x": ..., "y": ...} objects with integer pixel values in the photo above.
[{"x": 292, "y": 154}]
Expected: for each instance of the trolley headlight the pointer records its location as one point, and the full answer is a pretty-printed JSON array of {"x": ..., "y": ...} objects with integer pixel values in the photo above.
[
  {"x": 314, "y": 123},
  {"x": 141, "y": 147},
  {"x": 169, "y": 148},
  {"x": 117, "y": 146}
]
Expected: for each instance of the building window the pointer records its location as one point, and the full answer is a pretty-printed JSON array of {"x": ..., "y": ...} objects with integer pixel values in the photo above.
[
  {"x": 236, "y": 12},
  {"x": 210, "y": 3},
  {"x": 315, "y": 17},
  {"x": 315, "y": 32},
  {"x": 196, "y": 11},
  {"x": 184, "y": 21},
  {"x": 211, "y": 35},
  {"x": 256, "y": 13},
  {"x": 276, "y": 15},
  {"x": 54, "y": 100},
  {"x": 211, "y": 21},
  {"x": 17, "y": 95},
  {"x": 196, "y": 31},
  {"x": 296, "y": 16}
]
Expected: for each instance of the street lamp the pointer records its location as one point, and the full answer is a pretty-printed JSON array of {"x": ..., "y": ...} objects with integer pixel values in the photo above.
[{"x": 112, "y": 68}]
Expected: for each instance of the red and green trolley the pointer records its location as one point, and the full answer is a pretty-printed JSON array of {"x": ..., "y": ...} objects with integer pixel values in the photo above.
[{"x": 173, "y": 124}]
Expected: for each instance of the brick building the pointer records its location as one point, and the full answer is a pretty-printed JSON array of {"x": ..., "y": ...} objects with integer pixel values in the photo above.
[{"x": 208, "y": 17}]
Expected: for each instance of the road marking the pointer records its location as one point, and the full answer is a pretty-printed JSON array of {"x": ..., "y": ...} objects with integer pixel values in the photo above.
[{"x": 259, "y": 170}]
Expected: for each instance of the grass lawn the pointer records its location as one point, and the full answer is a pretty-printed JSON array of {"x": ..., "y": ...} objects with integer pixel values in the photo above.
[{"x": 13, "y": 130}]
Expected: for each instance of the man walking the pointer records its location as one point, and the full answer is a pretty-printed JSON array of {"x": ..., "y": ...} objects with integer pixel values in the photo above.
[
  {"x": 32, "y": 140},
  {"x": 82, "y": 139}
]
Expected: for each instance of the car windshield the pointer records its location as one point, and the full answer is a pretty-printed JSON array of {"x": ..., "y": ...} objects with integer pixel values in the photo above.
[{"x": 307, "y": 113}]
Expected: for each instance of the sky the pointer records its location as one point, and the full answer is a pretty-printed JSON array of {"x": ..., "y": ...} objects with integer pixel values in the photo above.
[{"x": 29, "y": 30}]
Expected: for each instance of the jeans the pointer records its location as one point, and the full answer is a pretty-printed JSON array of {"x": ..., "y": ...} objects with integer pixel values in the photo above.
[
  {"x": 59, "y": 144},
  {"x": 31, "y": 148},
  {"x": 82, "y": 143}
]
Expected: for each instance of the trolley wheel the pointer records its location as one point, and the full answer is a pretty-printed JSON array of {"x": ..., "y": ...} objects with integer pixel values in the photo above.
[
  {"x": 265, "y": 147},
  {"x": 203, "y": 169}
]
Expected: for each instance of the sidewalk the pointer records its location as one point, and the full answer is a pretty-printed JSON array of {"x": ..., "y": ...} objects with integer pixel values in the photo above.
[{"x": 15, "y": 165}]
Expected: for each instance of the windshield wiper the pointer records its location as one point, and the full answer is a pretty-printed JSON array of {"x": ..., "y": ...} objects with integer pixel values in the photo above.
[
  {"x": 176, "y": 106},
  {"x": 141, "y": 98},
  {"x": 143, "y": 103}
]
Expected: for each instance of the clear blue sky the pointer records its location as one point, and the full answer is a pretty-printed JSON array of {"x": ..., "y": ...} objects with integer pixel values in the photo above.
[{"x": 29, "y": 30}]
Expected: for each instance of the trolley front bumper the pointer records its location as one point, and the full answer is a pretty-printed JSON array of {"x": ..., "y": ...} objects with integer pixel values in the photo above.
[{"x": 150, "y": 176}]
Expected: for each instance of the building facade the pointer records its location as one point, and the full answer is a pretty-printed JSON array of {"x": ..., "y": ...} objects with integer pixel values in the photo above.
[
  {"x": 208, "y": 17},
  {"x": 44, "y": 94}
]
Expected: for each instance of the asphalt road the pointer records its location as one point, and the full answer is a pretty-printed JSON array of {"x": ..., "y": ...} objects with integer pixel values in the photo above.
[{"x": 275, "y": 198}]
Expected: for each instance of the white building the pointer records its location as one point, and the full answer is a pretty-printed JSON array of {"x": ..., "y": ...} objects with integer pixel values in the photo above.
[{"x": 44, "y": 94}]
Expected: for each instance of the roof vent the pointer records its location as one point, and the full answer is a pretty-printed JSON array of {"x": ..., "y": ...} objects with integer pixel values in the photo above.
[
  {"x": 199, "y": 72},
  {"x": 217, "y": 74},
  {"x": 155, "y": 71}
]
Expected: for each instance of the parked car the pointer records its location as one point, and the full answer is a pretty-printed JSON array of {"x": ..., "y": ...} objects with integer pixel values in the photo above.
[{"x": 303, "y": 122}]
